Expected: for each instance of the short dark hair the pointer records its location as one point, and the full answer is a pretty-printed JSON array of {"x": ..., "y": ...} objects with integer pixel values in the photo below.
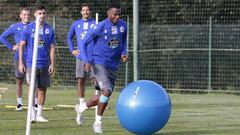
[
  {"x": 40, "y": 7},
  {"x": 86, "y": 5},
  {"x": 24, "y": 8},
  {"x": 114, "y": 5}
]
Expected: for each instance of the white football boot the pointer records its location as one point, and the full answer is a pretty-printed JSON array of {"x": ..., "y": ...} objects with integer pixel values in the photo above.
[
  {"x": 19, "y": 108},
  {"x": 79, "y": 118},
  {"x": 97, "y": 128},
  {"x": 41, "y": 119}
]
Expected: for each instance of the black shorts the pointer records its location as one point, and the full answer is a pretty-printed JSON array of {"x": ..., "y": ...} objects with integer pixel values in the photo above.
[{"x": 42, "y": 78}]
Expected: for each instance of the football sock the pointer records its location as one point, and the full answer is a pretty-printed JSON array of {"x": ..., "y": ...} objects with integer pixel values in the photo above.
[{"x": 19, "y": 100}]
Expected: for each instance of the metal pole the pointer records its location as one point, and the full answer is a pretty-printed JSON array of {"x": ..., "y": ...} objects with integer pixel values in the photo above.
[
  {"x": 210, "y": 55},
  {"x": 54, "y": 22},
  {"x": 126, "y": 69},
  {"x": 96, "y": 91},
  {"x": 135, "y": 38},
  {"x": 33, "y": 74}
]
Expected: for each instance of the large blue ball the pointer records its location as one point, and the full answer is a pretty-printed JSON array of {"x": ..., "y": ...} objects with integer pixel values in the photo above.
[{"x": 143, "y": 107}]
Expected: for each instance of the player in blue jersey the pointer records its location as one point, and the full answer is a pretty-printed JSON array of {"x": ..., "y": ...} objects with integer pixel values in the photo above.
[
  {"x": 109, "y": 50},
  {"x": 79, "y": 29},
  {"x": 15, "y": 31},
  {"x": 45, "y": 58}
]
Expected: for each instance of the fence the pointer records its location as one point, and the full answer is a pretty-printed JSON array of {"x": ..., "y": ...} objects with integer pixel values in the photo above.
[{"x": 183, "y": 44}]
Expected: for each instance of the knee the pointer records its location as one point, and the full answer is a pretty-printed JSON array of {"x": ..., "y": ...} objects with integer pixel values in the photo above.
[
  {"x": 42, "y": 90},
  {"x": 103, "y": 99},
  {"x": 107, "y": 93},
  {"x": 105, "y": 96},
  {"x": 81, "y": 81}
]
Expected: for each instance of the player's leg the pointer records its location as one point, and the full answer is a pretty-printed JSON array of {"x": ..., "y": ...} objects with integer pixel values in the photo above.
[
  {"x": 19, "y": 89},
  {"x": 80, "y": 75},
  {"x": 36, "y": 100},
  {"x": 102, "y": 104},
  {"x": 42, "y": 83},
  {"x": 41, "y": 101},
  {"x": 80, "y": 93},
  {"x": 107, "y": 78},
  {"x": 80, "y": 108},
  {"x": 28, "y": 78},
  {"x": 81, "y": 89},
  {"x": 35, "y": 103},
  {"x": 103, "y": 82},
  {"x": 93, "y": 101}
]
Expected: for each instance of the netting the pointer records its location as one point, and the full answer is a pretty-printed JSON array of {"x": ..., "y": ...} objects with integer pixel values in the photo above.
[{"x": 183, "y": 44}]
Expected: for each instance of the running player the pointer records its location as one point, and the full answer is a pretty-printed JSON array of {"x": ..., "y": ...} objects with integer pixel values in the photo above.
[{"x": 109, "y": 50}]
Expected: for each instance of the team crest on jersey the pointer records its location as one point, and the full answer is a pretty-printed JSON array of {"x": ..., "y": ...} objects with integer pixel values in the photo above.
[
  {"x": 79, "y": 26},
  {"x": 121, "y": 29},
  {"x": 41, "y": 43},
  {"x": 47, "y": 31},
  {"x": 113, "y": 43},
  {"x": 19, "y": 28},
  {"x": 83, "y": 34}
]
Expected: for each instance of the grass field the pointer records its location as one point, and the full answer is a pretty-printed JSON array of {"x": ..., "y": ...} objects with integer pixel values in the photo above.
[{"x": 192, "y": 114}]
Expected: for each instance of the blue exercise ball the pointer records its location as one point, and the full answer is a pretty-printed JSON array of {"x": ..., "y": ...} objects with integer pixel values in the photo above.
[{"x": 143, "y": 107}]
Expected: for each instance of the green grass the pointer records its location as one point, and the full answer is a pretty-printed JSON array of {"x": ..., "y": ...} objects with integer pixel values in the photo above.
[{"x": 192, "y": 114}]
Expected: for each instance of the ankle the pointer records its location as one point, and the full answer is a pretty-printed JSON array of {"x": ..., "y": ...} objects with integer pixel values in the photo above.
[
  {"x": 83, "y": 107},
  {"x": 98, "y": 119}
]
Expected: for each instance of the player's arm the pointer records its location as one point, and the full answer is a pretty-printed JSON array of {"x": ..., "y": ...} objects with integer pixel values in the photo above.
[
  {"x": 22, "y": 44},
  {"x": 52, "y": 54},
  {"x": 90, "y": 36},
  {"x": 52, "y": 58},
  {"x": 4, "y": 38},
  {"x": 70, "y": 36},
  {"x": 21, "y": 67},
  {"x": 124, "y": 57}
]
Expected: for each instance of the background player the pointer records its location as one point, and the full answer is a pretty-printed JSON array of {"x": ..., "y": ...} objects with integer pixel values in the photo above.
[
  {"x": 15, "y": 31},
  {"x": 45, "y": 59},
  {"x": 79, "y": 29}
]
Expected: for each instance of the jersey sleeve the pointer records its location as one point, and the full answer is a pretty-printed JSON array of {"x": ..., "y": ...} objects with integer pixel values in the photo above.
[
  {"x": 70, "y": 36},
  {"x": 4, "y": 37},
  {"x": 124, "y": 42},
  {"x": 52, "y": 38},
  {"x": 93, "y": 33},
  {"x": 24, "y": 34}
]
